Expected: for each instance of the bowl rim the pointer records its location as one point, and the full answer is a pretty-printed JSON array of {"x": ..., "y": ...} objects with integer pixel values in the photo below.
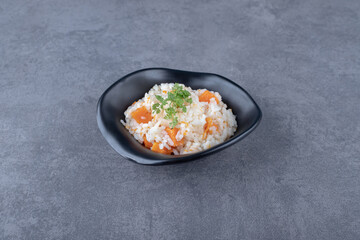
[{"x": 171, "y": 158}]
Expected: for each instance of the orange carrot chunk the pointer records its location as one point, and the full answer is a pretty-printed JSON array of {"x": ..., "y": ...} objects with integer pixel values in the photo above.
[
  {"x": 141, "y": 115},
  {"x": 156, "y": 148},
  {"x": 209, "y": 123},
  {"x": 206, "y": 96},
  {"x": 172, "y": 134},
  {"x": 147, "y": 143}
]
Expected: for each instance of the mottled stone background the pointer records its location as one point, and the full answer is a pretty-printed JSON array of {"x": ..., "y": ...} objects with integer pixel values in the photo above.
[{"x": 296, "y": 177}]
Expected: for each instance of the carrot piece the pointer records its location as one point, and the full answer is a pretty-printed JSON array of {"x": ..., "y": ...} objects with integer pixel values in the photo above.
[
  {"x": 206, "y": 96},
  {"x": 156, "y": 148},
  {"x": 147, "y": 143},
  {"x": 141, "y": 115},
  {"x": 172, "y": 134},
  {"x": 209, "y": 123}
]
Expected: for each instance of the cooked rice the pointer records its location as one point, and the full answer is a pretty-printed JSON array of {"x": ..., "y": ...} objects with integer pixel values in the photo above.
[{"x": 191, "y": 123}]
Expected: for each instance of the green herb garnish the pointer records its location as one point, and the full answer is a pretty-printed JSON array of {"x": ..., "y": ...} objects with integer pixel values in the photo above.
[{"x": 174, "y": 102}]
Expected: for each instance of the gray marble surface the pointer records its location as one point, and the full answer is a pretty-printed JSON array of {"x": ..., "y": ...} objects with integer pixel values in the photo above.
[{"x": 296, "y": 177}]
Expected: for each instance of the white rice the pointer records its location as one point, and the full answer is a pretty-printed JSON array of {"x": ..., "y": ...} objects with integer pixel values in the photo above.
[{"x": 191, "y": 123}]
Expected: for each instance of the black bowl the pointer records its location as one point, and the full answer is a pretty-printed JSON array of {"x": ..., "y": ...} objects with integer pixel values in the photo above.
[{"x": 119, "y": 96}]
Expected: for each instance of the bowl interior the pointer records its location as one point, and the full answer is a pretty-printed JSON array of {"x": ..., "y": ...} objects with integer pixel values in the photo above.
[{"x": 132, "y": 87}]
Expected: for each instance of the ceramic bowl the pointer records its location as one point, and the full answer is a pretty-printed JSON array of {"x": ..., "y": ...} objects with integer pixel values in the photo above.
[{"x": 119, "y": 96}]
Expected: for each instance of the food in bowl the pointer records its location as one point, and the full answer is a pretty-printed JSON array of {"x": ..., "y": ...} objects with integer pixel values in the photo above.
[{"x": 174, "y": 119}]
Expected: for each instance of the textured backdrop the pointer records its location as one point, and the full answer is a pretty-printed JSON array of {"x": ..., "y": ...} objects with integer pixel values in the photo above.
[{"x": 295, "y": 177}]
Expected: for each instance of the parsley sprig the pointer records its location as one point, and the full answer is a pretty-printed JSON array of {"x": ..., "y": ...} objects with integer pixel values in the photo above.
[{"x": 174, "y": 102}]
